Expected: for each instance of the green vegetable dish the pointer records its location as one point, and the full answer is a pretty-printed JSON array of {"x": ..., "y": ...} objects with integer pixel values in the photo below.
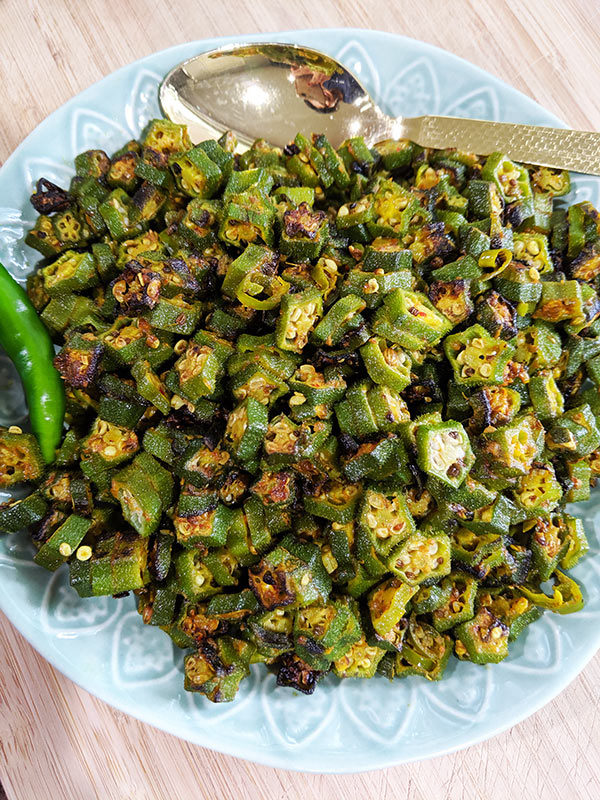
[{"x": 324, "y": 408}]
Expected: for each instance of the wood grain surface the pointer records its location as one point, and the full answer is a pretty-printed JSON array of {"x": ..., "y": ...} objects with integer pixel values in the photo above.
[{"x": 56, "y": 740}]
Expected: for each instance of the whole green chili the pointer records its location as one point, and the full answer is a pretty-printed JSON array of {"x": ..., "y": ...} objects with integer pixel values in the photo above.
[{"x": 28, "y": 345}]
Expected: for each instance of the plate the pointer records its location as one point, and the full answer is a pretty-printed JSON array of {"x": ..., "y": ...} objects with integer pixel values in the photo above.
[{"x": 102, "y": 644}]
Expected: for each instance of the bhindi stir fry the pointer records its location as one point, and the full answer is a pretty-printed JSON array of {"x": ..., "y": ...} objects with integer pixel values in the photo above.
[{"x": 325, "y": 408}]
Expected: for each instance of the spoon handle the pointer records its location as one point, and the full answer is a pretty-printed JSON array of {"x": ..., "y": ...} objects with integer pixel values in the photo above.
[{"x": 533, "y": 144}]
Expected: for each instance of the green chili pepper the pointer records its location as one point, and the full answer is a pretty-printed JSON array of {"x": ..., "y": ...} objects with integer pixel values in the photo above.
[{"x": 28, "y": 345}]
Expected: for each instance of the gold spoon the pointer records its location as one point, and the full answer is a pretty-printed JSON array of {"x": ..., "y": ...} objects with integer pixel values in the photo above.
[{"x": 272, "y": 91}]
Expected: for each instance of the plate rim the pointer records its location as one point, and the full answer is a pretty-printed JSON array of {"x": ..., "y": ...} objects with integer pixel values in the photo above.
[{"x": 281, "y": 759}]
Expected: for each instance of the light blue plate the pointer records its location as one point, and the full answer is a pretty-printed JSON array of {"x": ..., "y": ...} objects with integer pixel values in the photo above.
[{"x": 103, "y": 646}]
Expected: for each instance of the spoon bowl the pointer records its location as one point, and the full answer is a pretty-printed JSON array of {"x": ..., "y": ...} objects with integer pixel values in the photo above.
[{"x": 269, "y": 91}]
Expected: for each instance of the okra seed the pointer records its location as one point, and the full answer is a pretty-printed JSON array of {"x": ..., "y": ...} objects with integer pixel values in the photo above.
[
  {"x": 84, "y": 552},
  {"x": 65, "y": 549}
]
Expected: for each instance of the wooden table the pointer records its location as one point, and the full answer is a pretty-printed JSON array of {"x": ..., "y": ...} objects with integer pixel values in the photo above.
[{"x": 56, "y": 736}]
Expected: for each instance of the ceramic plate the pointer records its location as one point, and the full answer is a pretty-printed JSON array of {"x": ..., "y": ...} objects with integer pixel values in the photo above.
[{"x": 101, "y": 643}]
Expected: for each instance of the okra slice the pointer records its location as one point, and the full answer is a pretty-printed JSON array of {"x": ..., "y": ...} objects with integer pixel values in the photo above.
[
  {"x": 576, "y": 433},
  {"x": 271, "y": 631},
  {"x": 144, "y": 490},
  {"x": 479, "y": 552},
  {"x": 217, "y": 668},
  {"x": 196, "y": 174},
  {"x": 282, "y": 442},
  {"x": 205, "y": 528},
  {"x": 70, "y": 272},
  {"x": 296, "y": 673},
  {"x": 43, "y": 238},
  {"x": 201, "y": 465},
  {"x": 354, "y": 413},
  {"x": 453, "y": 299},
  {"x": 121, "y": 215},
  {"x": 444, "y": 451},
  {"x": 78, "y": 361},
  {"x": 538, "y": 491},
  {"x": 276, "y": 489},
  {"x": 92, "y": 164},
  {"x": 312, "y": 385},
  {"x": 128, "y": 340},
  {"x": 548, "y": 542},
  {"x": 511, "y": 179},
  {"x": 343, "y": 316},
  {"x": 197, "y": 371},
  {"x": 194, "y": 578},
  {"x": 560, "y": 300},
  {"x": 374, "y": 459},
  {"x": 551, "y": 181},
  {"x": 297, "y": 317},
  {"x": 307, "y": 162},
  {"x": 493, "y": 406},
  {"x": 386, "y": 364},
  {"x": 360, "y": 661},
  {"x": 249, "y": 217},
  {"x": 20, "y": 457},
  {"x": 395, "y": 153},
  {"x": 425, "y": 651},
  {"x": 150, "y": 386},
  {"x": 62, "y": 543},
  {"x": 164, "y": 138},
  {"x": 223, "y": 566},
  {"x": 129, "y": 563},
  {"x": 18, "y": 514},
  {"x": 476, "y": 357},
  {"x": 387, "y": 606},
  {"x": 421, "y": 557},
  {"x": 157, "y": 604},
  {"x": 384, "y": 521},
  {"x": 388, "y": 408},
  {"x": 416, "y": 323},
  {"x": 431, "y": 241},
  {"x": 291, "y": 574},
  {"x": 483, "y": 639},
  {"x": 304, "y": 233},
  {"x": 539, "y": 346},
  {"x": 460, "y": 604},
  {"x": 245, "y": 430},
  {"x": 497, "y": 315},
  {"x": 320, "y": 632},
  {"x": 233, "y": 607},
  {"x": 470, "y": 495},
  {"x": 174, "y": 315},
  {"x": 335, "y": 501},
  {"x": 428, "y": 598}
]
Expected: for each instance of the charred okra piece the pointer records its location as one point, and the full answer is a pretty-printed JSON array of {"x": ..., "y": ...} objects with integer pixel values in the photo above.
[
  {"x": 20, "y": 457},
  {"x": 290, "y": 575},
  {"x": 217, "y": 668}
]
